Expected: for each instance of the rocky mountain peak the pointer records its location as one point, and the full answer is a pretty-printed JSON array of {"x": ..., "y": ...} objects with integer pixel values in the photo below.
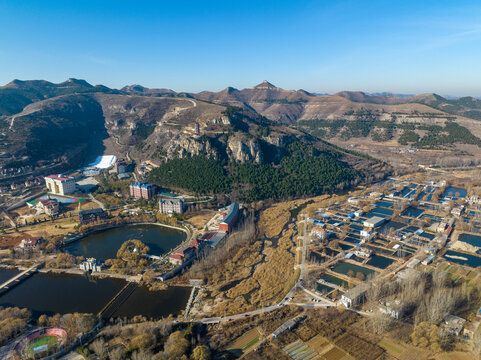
[{"x": 265, "y": 85}]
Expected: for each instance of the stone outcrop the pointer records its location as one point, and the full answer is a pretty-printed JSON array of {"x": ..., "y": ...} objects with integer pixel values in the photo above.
[{"x": 243, "y": 149}]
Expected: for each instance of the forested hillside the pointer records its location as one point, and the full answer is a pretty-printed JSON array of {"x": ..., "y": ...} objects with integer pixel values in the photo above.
[{"x": 303, "y": 171}]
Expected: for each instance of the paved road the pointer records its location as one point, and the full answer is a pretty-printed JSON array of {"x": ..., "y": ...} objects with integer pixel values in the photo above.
[{"x": 91, "y": 197}]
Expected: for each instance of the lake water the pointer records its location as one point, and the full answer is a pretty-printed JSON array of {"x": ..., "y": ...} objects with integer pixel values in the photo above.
[
  {"x": 104, "y": 244},
  {"x": 48, "y": 293}
]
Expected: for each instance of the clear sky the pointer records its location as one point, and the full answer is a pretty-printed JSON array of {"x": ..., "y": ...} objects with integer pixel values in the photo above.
[{"x": 322, "y": 46}]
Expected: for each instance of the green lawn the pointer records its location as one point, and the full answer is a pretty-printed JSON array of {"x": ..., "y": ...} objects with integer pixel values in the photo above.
[{"x": 391, "y": 347}]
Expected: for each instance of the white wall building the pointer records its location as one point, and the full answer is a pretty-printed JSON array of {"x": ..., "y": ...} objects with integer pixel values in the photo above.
[{"x": 60, "y": 185}]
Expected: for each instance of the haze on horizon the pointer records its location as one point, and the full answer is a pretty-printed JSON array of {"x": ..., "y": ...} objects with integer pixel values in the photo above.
[{"x": 374, "y": 46}]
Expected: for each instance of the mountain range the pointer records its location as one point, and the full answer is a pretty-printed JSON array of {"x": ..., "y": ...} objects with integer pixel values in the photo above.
[{"x": 41, "y": 122}]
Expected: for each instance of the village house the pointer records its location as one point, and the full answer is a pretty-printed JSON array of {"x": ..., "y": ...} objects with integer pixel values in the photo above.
[
  {"x": 363, "y": 252},
  {"x": 373, "y": 222},
  {"x": 454, "y": 324},
  {"x": 457, "y": 211},
  {"x": 354, "y": 296}
]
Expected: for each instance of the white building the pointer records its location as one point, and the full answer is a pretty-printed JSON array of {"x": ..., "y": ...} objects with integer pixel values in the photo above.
[
  {"x": 90, "y": 264},
  {"x": 354, "y": 296},
  {"x": 60, "y": 185}
]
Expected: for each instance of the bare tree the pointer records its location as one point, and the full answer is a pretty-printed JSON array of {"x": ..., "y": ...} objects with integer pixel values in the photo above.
[
  {"x": 142, "y": 355},
  {"x": 116, "y": 353},
  {"x": 380, "y": 322},
  {"x": 99, "y": 348}
]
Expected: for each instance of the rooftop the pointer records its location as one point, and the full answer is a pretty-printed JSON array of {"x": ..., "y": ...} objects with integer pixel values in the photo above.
[
  {"x": 233, "y": 209},
  {"x": 60, "y": 177}
]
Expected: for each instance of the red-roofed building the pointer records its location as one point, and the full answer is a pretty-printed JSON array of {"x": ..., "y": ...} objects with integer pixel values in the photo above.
[
  {"x": 179, "y": 256},
  {"x": 194, "y": 243},
  {"x": 48, "y": 206},
  {"x": 30, "y": 244}
]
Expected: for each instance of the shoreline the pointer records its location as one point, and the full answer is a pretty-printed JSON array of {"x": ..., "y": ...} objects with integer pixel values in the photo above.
[{"x": 80, "y": 236}]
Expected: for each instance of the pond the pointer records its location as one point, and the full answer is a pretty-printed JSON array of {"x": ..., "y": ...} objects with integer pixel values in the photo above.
[
  {"x": 380, "y": 250},
  {"x": 413, "y": 212},
  {"x": 104, "y": 244},
  {"x": 323, "y": 289},
  {"x": 380, "y": 211},
  {"x": 379, "y": 261},
  {"x": 455, "y": 193},
  {"x": 474, "y": 240},
  {"x": 351, "y": 239},
  {"x": 463, "y": 259},
  {"x": 345, "y": 246},
  {"x": 334, "y": 280},
  {"x": 386, "y": 204},
  {"x": 345, "y": 267},
  {"x": 48, "y": 293},
  {"x": 391, "y": 225}
]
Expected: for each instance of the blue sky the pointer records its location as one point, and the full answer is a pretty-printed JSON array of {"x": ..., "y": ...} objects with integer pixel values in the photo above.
[{"x": 320, "y": 46}]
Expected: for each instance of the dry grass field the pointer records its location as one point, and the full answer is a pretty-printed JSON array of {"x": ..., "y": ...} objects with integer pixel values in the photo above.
[
  {"x": 10, "y": 241},
  {"x": 401, "y": 351},
  {"x": 57, "y": 227},
  {"x": 201, "y": 218}
]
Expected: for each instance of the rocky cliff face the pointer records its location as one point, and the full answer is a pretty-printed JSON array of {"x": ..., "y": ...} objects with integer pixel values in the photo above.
[
  {"x": 183, "y": 146},
  {"x": 243, "y": 150}
]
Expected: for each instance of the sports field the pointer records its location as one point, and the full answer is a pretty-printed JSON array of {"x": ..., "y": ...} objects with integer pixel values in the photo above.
[
  {"x": 68, "y": 200},
  {"x": 46, "y": 341}
]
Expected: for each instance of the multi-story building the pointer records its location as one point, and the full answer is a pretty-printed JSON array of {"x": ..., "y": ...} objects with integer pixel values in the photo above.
[
  {"x": 60, "y": 185},
  {"x": 142, "y": 190},
  {"x": 171, "y": 206},
  {"x": 120, "y": 166}
]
